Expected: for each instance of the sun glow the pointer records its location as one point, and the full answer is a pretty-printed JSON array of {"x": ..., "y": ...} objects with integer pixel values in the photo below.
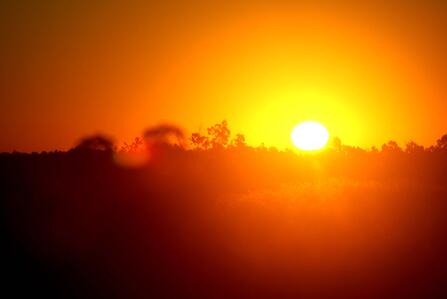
[{"x": 309, "y": 136}]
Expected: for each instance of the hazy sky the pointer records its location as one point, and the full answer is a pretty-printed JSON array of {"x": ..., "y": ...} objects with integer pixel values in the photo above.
[{"x": 370, "y": 72}]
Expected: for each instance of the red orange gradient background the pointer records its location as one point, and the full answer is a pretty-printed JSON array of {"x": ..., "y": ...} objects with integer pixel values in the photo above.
[{"x": 369, "y": 72}]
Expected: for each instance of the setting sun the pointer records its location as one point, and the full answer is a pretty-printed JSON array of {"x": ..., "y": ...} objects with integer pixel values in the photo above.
[
  {"x": 309, "y": 136},
  {"x": 224, "y": 149}
]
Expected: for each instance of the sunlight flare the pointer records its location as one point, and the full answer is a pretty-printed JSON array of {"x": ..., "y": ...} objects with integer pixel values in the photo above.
[{"x": 309, "y": 136}]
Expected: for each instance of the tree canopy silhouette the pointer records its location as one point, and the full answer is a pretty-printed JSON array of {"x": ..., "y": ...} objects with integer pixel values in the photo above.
[
  {"x": 165, "y": 134},
  {"x": 441, "y": 143},
  {"x": 95, "y": 143},
  {"x": 217, "y": 136}
]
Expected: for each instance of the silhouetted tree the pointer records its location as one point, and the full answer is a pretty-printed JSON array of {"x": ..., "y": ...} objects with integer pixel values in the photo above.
[
  {"x": 391, "y": 147},
  {"x": 135, "y": 146},
  {"x": 165, "y": 134},
  {"x": 441, "y": 143},
  {"x": 95, "y": 143},
  {"x": 239, "y": 141},
  {"x": 352, "y": 150},
  {"x": 412, "y": 148},
  {"x": 336, "y": 144},
  {"x": 218, "y": 136},
  {"x": 200, "y": 141}
]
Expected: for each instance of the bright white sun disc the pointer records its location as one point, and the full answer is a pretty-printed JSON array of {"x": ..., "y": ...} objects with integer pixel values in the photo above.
[{"x": 310, "y": 135}]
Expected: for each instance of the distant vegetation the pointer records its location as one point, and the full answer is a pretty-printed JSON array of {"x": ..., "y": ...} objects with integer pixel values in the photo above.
[
  {"x": 219, "y": 136},
  {"x": 208, "y": 216}
]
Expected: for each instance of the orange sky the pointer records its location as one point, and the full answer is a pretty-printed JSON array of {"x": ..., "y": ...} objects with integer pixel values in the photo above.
[{"x": 370, "y": 72}]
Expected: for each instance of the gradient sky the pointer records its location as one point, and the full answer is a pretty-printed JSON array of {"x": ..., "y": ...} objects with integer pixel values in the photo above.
[{"x": 370, "y": 72}]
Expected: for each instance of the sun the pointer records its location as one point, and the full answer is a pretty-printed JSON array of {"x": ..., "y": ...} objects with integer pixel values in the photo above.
[{"x": 309, "y": 136}]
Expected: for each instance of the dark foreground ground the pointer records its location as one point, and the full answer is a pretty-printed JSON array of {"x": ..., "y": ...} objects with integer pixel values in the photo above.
[{"x": 224, "y": 224}]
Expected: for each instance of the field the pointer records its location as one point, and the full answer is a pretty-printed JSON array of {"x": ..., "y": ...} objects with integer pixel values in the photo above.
[{"x": 230, "y": 222}]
